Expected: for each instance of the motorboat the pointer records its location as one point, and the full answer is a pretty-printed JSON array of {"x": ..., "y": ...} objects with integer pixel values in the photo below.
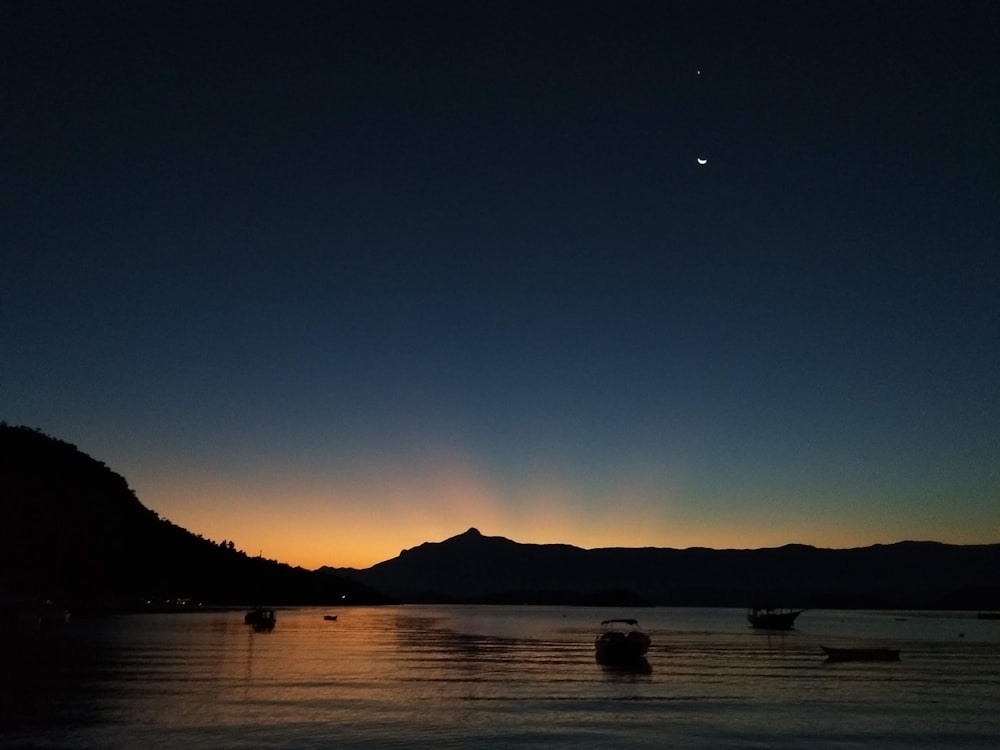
[
  {"x": 261, "y": 618},
  {"x": 620, "y": 641},
  {"x": 330, "y": 617},
  {"x": 773, "y": 618}
]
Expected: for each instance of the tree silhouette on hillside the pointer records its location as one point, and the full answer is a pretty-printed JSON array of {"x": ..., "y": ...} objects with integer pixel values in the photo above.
[{"x": 72, "y": 529}]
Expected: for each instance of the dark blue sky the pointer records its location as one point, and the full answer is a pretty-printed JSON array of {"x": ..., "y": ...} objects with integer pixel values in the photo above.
[{"x": 333, "y": 278}]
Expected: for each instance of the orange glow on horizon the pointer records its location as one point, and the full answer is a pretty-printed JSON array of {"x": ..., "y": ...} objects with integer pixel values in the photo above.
[{"x": 358, "y": 522}]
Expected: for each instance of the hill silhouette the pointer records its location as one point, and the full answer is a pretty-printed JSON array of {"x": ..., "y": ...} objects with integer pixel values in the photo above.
[
  {"x": 72, "y": 530},
  {"x": 473, "y": 567}
]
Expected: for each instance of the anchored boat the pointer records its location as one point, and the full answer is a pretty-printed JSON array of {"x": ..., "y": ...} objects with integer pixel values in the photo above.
[
  {"x": 620, "y": 641},
  {"x": 773, "y": 618},
  {"x": 261, "y": 618}
]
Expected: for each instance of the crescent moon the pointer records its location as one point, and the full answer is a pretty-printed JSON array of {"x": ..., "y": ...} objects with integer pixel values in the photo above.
[{"x": 703, "y": 162}]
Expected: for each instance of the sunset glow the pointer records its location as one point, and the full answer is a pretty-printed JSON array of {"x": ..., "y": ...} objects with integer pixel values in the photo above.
[
  {"x": 332, "y": 280},
  {"x": 361, "y": 521}
]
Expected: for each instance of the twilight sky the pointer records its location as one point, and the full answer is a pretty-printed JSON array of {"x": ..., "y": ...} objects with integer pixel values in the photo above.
[{"x": 332, "y": 279}]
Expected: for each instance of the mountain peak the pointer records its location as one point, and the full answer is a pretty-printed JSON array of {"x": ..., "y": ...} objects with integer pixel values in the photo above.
[{"x": 473, "y": 531}]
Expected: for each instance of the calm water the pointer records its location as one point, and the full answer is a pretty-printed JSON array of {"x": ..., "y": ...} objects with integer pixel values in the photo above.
[{"x": 423, "y": 676}]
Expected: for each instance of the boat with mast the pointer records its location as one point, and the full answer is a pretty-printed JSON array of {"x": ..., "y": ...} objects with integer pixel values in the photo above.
[{"x": 773, "y": 618}]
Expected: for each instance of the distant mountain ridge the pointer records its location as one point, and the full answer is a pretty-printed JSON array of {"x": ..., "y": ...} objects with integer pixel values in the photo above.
[
  {"x": 474, "y": 567},
  {"x": 72, "y": 530}
]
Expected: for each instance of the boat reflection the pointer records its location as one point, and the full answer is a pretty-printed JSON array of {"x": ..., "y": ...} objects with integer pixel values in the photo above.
[{"x": 639, "y": 666}]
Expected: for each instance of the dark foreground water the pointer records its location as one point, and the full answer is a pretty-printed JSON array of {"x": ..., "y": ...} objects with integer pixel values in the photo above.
[{"x": 462, "y": 677}]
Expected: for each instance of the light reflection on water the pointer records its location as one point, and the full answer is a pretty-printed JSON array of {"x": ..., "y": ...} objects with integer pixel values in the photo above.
[{"x": 498, "y": 676}]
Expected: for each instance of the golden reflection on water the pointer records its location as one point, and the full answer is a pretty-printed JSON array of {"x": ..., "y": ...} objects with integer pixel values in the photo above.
[{"x": 475, "y": 675}]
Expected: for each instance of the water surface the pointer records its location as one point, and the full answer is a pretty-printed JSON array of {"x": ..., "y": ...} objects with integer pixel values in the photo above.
[{"x": 423, "y": 676}]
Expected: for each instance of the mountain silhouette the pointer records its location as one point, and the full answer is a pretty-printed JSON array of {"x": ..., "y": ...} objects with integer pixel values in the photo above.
[
  {"x": 72, "y": 530},
  {"x": 473, "y": 567}
]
